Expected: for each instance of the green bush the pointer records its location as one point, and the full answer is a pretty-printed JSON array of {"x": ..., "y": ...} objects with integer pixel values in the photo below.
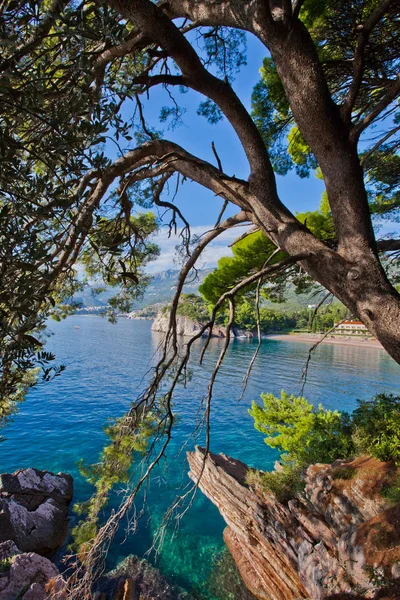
[
  {"x": 391, "y": 491},
  {"x": 344, "y": 473},
  {"x": 376, "y": 425},
  {"x": 194, "y": 307},
  {"x": 284, "y": 485},
  {"x": 5, "y": 565},
  {"x": 305, "y": 434}
]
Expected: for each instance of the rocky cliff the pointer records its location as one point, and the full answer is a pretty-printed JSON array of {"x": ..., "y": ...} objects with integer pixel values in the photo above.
[
  {"x": 189, "y": 328},
  {"x": 338, "y": 539},
  {"x": 185, "y": 326}
]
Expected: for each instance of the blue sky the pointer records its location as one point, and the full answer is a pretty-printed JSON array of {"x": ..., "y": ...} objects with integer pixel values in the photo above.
[{"x": 199, "y": 206}]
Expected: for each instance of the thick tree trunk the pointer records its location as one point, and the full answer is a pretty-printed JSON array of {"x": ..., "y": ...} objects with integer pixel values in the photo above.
[
  {"x": 360, "y": 283},
  {"x": 353, "y": 273}
]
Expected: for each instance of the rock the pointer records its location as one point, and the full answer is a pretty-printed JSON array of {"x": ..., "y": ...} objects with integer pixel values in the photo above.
[
  {"x": 34, "y": 509},
  {"x": 29, "y": 577},
  {"x": 136, "y": 579},
  {"x": 334, "y": 538},
  {"x": 8, "y": 549},
  {"x": 189, "y": 328},
  {"x": 184, "y": 325}
]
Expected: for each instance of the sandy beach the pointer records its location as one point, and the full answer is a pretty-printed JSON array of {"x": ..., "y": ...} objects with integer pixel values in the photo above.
[{"x": 312, "y": 339}]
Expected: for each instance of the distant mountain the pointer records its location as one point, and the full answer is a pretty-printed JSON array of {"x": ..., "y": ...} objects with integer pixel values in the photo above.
[
  {"x": 163, "y": 285},
  {"x": 161, "y": 289}
]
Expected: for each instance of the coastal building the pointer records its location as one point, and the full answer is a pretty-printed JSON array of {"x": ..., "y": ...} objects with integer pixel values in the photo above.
[{"x": 350, "y": 327}]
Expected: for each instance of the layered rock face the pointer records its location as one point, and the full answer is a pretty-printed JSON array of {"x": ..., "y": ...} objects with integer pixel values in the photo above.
[
  {"x": 337, "y": 539},
  {"x": 34, "y": 508}
]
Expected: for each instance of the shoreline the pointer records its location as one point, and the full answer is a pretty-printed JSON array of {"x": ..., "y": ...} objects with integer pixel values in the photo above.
[{"x": 307, "y": 338}]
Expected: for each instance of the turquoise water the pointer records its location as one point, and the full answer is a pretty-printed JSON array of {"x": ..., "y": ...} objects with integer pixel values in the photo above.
[{"x": 107, "y": 366}]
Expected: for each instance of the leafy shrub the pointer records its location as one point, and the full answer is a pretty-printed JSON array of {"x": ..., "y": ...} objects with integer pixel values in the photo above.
[
  {"x": 343, "y": 473},
  {"x": 284, "y": 485},
  {"x": 193, "y": 307},
  {"x": 304, "y": 433},
  {"x": 5, "y": 565},
  {"x": 391, "y": 491},
  {"x": 377, "y": 427}
]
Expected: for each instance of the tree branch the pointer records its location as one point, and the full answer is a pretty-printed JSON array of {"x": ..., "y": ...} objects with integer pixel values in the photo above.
[
  {"x": 232, "y": 14},
  {"x": 384, "y": 139},
  {"x": 359, "y": 57},
  {"x": 388, "y": 245},
  {"x": 296, "y": 8},
  {"x": 153, "y": 22},
  {"x": 37, "y": 36},
  {"x": 391, "y": 95}
]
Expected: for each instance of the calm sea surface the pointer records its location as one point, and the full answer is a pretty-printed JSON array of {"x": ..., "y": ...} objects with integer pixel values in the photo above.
[{"x": 108, "y": 365}]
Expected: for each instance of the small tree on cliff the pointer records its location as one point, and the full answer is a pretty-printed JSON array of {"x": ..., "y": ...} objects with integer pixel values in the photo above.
[{"x": 69, "y": 74}]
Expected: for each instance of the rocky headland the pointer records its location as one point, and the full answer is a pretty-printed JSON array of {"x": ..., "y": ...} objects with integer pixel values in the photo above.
[
  {"x": 339, "y": 539},
  {"x": 189, "y": 327}
]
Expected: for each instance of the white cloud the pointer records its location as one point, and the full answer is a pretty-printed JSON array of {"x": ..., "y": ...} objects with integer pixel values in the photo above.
[{"x": 169, "y": 258}]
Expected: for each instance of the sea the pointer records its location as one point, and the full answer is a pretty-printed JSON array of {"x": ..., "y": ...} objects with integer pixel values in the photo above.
[{"x": 108, "y": 365}]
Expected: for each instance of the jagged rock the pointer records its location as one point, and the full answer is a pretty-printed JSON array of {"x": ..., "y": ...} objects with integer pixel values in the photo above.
[
  {"x": 137, "y": 579},
  {"x": 27, "y": 576},
  {"x": 34, "y": 509},
  {"x": 340, "y": 535}
]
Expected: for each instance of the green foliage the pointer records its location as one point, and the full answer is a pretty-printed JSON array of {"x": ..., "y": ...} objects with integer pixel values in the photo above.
[
  {"x": 300, "y": 153},
  {"x": 129, "y": 438},
  {"x": 193, "y": 307},
  {"x": 284, "y": 485},
  {"x": 344, "y": 473},
  {"x": 249, "y": 253},
  {"x": 319, "y": 223},
  {"x": 323, "y": 320},
  {"x": 308, "y": 434},
  {"x": 377, "y": 427},
  {"x": 5, "y": 565},
  {"x": 271, "y": 114},
  {"x": 391, "y": 490},
  {"x": 304, "y": 433},
  {"x": 383, "y": 183},
  {"x": 57, "y": 112},
  {"x": 270, "y": 320}
]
